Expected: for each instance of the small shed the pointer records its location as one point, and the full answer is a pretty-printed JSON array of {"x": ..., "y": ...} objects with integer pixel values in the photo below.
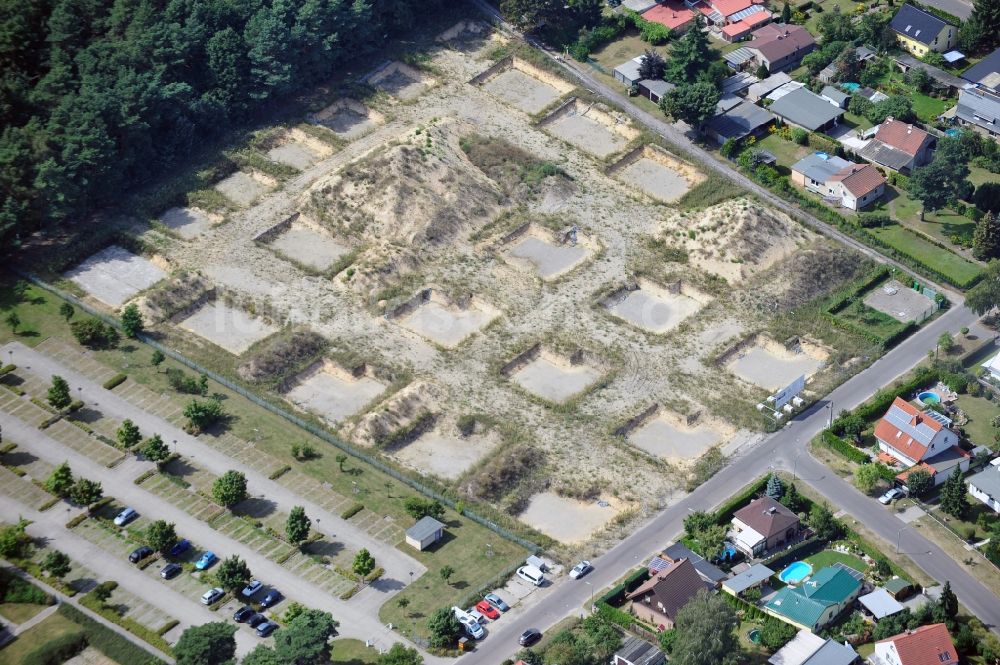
[
  {"x": 899, "y": 587},
  {"x": 654, "y": 89},
  {"x": 880, "y": 604},
  {"x": 836, "y": 97},
  {"x": 424, "y": 533},
  {"x": 753, "y": 577},
  {"x": 628, "y": 72}
]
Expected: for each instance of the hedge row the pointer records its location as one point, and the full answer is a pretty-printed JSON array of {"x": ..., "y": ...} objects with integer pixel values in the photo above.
[
  {"x": 107, "y": 641},
  {"x": 798, "y": 551},
  {"x": 876, "y": 277},
  {"x": 616, "y": 594},
  {"x": 916, "y": 263},
  {"x": 725, "y": 512},
  {"x": 838, "y": 445},
  {"x": 7, "y": 369},
  {"x": 58, "y": 650},
  {"x": 352, "y": 510},
  {"x": 114, "y": 381},
  {"x": 880, "y": 401}
]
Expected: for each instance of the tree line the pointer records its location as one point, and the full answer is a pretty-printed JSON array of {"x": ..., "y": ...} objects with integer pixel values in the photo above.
[{"x": 97, "y": 98}]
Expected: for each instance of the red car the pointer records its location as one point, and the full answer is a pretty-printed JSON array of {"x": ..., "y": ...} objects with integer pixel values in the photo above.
[{"x": 487, "y": 610}]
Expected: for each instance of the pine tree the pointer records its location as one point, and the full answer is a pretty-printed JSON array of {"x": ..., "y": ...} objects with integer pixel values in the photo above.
[
  {"x": 953, "y": 499},
  {"x": 986, "y": 238},
  {"x": 58, "y": 395},
  {"x": 297, "y": 526},
  {"x": 948, "y": 601},
  {"x": 690, "y": 55},
  {"x": 786, "y": 14},
  {"x": 131, "y": 321},
  {"x": 774, "y": 490}
]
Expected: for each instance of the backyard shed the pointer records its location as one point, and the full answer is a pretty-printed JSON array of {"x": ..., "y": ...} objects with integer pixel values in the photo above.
[
  {"x": 899, "y": 587},
  {"x": 753, "y": 577},
  {"x": 424, "y": 533},
  {"x": 880, "y": 604}
]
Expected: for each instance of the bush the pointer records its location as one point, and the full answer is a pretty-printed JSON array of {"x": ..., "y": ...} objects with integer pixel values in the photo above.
[
  {"x": 282, "y": 357},
  {"x": 838, "y": 445},
  {"x": 107, "y": 641},
  {"x": 57, "y": 651},
  {"x": 14, "y": 589},
  {"x": 352, "y": 510},
  {"x": 114, "y": 381},
  {"x": 800, "y": 136},
  {"x": 868, "y": 220},
  {"x": 94, "y": 333},
  {"x": 182, "y": 382}
]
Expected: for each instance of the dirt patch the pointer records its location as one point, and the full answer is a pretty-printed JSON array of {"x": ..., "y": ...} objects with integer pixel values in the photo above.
[
  {"x": 470, "y": 36},
  {"x": 771, "y": 365},
  {"x": 549, "y": 254},
  {"x": 400, "y": 80},
  {"x": 657, "y": 173},
  {"x": 243, "y": 188},
  {"x": 115, "y": 274},
  {"x": 552, "y": 376},
  {"x": 309, "y": 245},
  {"x": 568, "y": 520},
  {"x": 590, "y": 127},
  {"x": 399, "y": 419},
  {"x": 189, "y": 223},
  {"x": 655, "y": 308},
  {"x": 436, "y": 317},
  {"x": 522, "y": 85},
  {"x": 299, "y": 150},
  {"x": 348, "y": 118},
  {"x": 676, "y": 438},
  {"x": 900, "y": 302},
  {"x": 229, "y": 327},
  {"x": 334, "y": 393},
  {"x": 442, "y": 452}
]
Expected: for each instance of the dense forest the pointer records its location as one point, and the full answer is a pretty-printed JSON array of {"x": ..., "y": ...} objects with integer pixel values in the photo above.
[{"x": 98, "y": 97}]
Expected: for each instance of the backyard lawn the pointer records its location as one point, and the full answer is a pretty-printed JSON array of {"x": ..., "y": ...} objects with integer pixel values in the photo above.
[
  {"x": 347, "y": 651},
  {"x": 52, "y": 627},
  {"x": 787, "y": 152},
  {"x": 867, "y": 318},
  {"x": 830, "y": 557},
  {"x": 20, "y": 612},
  {"x": 981, "y": 411},
  {"x": 953, "y": 266}
]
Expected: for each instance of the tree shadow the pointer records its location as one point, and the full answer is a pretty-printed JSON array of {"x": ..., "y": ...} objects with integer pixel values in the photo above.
[
  {"x": 28, "y": 333},
  {"x": 83, "y": 584},
  {"x": 179, "y": 467},
  {"x": 255, "y": 507},
  {"x": 460, "y": 584},
  {"x": 327, "y": 548},
  {"x": 385, "y": 585},
  {"x": 88, "y": 415},
  {"x": 18, "y": 458}
]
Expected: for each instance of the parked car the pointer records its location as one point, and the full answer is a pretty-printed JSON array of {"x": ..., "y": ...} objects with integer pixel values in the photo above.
[
  {"x": 890, "y": 496},
  {"x": 252, "y": 588},
  {"x": 529, "y": 637},
  {"x": 459, "y": 613},
  {"x": 125, "y": 516},
  {"x": 180, "y": 547},
  {"x": 272, "y": 598},
  {"x": 580, "y": 569},
  {"x": 476, "y": 616},
  {"x": 490, "y": 612},
  {"x": 170, "y": 571},
  {"x": 243, "y": 614},
  {"x": 497, "y": 602},
  {"x": 206, "y": 560},
  {"x": 140, "y": 553},
  {"x": 266, "y": 628},
  {"x": 473, "y": 628},
  {"x": 212, "y": 596},
  {"x": 256, "y": 620},
  {"x": 531, "y": 575}
]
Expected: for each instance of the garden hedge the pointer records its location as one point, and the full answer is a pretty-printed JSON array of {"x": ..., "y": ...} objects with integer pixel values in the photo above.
[
  {"x": 107, "y": 641},
  {"x": 57, "y": 651},
  {"x": 838, "y": 445}
]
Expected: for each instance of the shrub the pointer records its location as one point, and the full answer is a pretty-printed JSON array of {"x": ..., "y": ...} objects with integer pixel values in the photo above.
[
  {"x": 868, "y": 220},
  {"x": 838, "y": 445},
  {"x": 183, "y": 382},
  {"x": 282, "y": 357},
  {"x": 14, "y": 589},
  {"x": 94, "y": 333},
  {"x": 114, "y": 381},
  {"x": 352, "y": 510},
  {"x": 107, "y": 641},
  {"x": 58, "y": 650}
]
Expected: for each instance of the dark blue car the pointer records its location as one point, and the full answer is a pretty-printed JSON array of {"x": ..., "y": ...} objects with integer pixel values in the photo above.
[{"x": 180, "y": 547}]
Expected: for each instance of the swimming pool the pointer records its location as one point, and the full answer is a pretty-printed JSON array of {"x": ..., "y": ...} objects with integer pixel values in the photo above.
[
  {"x": 795, "y": 572},
  {"x": 929, "y": 397}
]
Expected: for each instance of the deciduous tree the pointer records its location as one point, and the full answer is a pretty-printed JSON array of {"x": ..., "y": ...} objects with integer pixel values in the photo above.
[
  {"x": 60, "y": 481},
  {"x": 986, "y": 237},
  {"x": 399, "y": 654},
  {"x": 161, "y": 535},
  {"x": 128, "y": 434},
  {"x": 66, "y": 311},
  {"x": 57, "y": 564},
  {"x": 919, "y": 483},
  {"x": 867, "y": 477},
  {"x": 233, "y": 573},
  {"x": 706, "y": 632},
  {"x": 207, "y": 644},
  {"x": 86, "y": 492},
  {"x": 444, "y": 628},
  {"x": 363, "y": 564},
  {"x": 131, "y": 321},
  {"x": 693, "y": 103},
  {"x": 230, "y": 488},
  {"x": 297, "y": 526},
  {"x": 155, "y": 450},
  {"x": 58, "y": 395}
]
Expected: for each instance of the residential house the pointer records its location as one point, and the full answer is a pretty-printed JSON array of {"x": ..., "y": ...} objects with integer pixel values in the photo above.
[
  {"x": 672, "y": 14},
  {"x": 753, "y": 577},
  {"x": 709, "y": 573},
  {"x": 808, "y": 649},
  {"x": 740, "y": 30},
  {"x": 737, "y": 83},
  {"x": 725, "y": 12},
  {"x": 742, "y": 120},
  {"x": 659, "y": 598},
  {"x": 654, "y": 89},
  {"x": 880, "y": 604},
  {"x": 637, "y": 651},
  {"x": 979, "y": 108},
  {"x": 851, "y": 185},
  {"x": 780, "y": 47},
  {"x": 912, "y": 436},
  {"x": 638, "y": 6},
  {"x": 762, "y": 89},
  {"x": 816, "y": 602},
  {"x": 941, "y": 466},
  {"x": 628, "y": 72},
  {"x": 919, "y": 31},
  {"x": 986, "y": 72},
  {"x": 838, "y": 98},
  {"x": 941, "y": 80},
  {"x": 762, "y": 525},
  {"x": 927, "y": 645},
  {"x": 424, "y": 533},
  {"x": 807, "y": 110},
  {"x": 899, "y": 146},
  {"x": 985, "y": 485}
]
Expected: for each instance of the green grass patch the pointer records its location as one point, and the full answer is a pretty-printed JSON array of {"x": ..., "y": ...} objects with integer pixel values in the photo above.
[
  {"x": 349, "y": 651},
  {"x": 878, "y": 323},
  {"x": 829, "y": 557},
  {"x": 952, "y": 266},
  {"x": 981, "y": 411},
  {"x": 714, "y": 189},
  {"x": 786, "y": 152},
  {"x": 20, "y": 612},
  {"x": 48, "y": 629}
]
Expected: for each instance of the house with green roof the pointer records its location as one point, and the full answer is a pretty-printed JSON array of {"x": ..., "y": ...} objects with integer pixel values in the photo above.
[{"x": 817, "y": 601}]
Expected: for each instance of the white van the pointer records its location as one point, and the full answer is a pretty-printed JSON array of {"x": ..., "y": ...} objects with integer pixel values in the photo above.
[{"x": 531, "y": 574}]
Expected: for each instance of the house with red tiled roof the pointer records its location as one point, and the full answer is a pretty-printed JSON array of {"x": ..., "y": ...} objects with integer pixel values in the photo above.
[
  {"x": 899, "y": 146},
  {"x": 659, "y": 598},
  {"x": 726, "y": 12},
  {"x": 927, "y": 645},
  {"x": 763, "y": 524},
  {"x": 912, "y": 436},
  {"x": 672, "y": 14},
  {"x": 857, "y": 185}
]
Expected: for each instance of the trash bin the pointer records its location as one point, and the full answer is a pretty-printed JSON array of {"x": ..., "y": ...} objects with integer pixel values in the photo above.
[{"x": 462, "y": 642}]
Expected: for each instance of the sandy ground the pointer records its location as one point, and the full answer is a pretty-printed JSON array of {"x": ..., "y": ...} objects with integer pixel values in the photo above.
[
  {"x": 189, "y": 223},
  {"x": 768, "y": 370},
  {"x": 241, "y": 188},
  {"x": 348, "y": 119},
  {"x": 444, "y": 454},
  {"x": 555, "y": 380},
  {"x": 655, "y": 310},
  {"x": 447, "y": 326},
  {"x": 655, "y": 179},
  {"x": 566, "y": 520},
  {"x": 587, "y": 134},
  {"x": 114, "y": 275},
  {"x": 293, "y": 154},
  {"x": 522, "y": 91},
  {"x": 229, "y": 327},
  {"x": 666, "y": 437},
  {"x": 548, "y": 259},
  {"x": 900, "y": 302},
  {"x": 334, "y": 396},
  {"x": 312, "y": 248}
]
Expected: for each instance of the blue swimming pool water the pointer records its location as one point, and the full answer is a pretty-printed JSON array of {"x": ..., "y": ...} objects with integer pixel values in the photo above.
[
  {"x": 729, "y": 550},
  {"x": 795, "y": 572},
  {"x": 850, "y": 87},
  {"x": 929, "y": 397},
  {"x": 952, "y": 132}
]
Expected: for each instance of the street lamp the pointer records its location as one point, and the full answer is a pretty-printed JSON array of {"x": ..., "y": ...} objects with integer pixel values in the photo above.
[
  {"x": 898, "y": 534},
  {"x": 829, "y": 406},
  {"x": 795, "y": 462},
  {"x": 591, "y": 594},
  {"x": 411, "y": 577}
]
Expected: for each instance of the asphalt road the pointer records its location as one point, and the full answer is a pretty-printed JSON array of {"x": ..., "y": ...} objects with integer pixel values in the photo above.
[{"x": 959, "y": 8}]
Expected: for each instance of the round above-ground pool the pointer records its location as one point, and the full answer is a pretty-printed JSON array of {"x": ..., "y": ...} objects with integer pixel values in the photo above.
[
  {"x": 754, "y": 636},
  {"x": 929, "y": 397},
  {"x": 795, "y": 572}
]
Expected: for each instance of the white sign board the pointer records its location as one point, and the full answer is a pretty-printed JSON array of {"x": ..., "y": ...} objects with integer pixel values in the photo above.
[{"x": 785, "y": 395}]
